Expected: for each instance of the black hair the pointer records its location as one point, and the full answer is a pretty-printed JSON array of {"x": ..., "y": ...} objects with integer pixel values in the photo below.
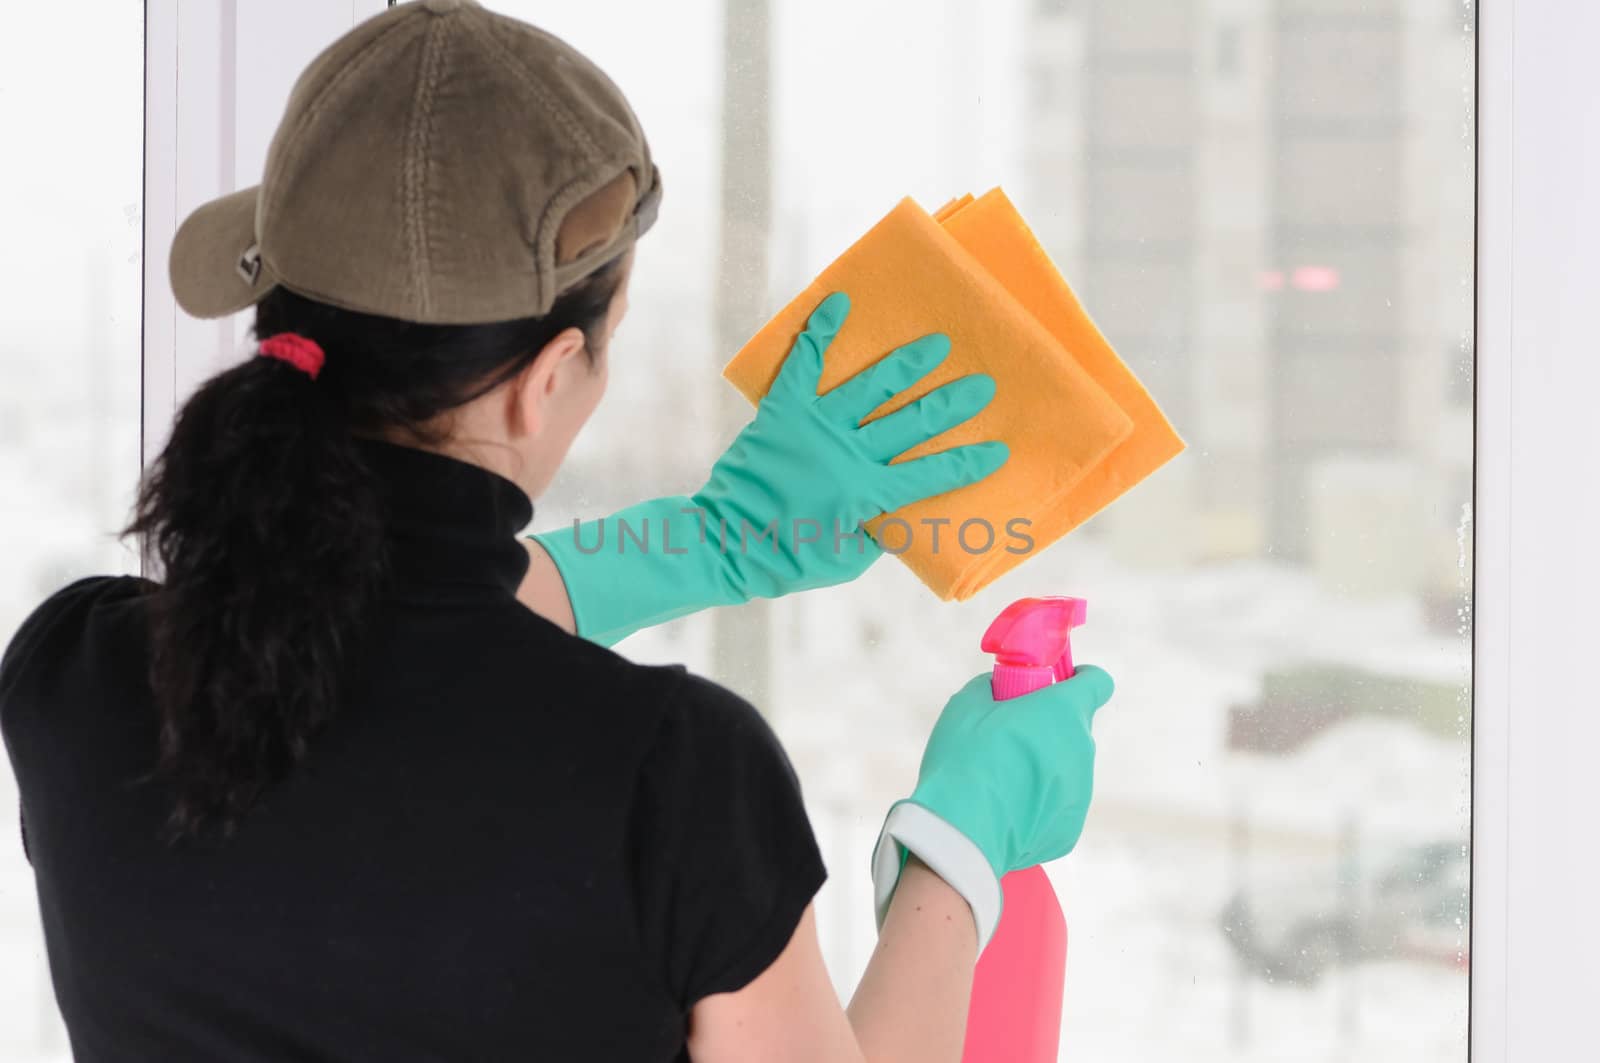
[{"x": 267, "y": 527}]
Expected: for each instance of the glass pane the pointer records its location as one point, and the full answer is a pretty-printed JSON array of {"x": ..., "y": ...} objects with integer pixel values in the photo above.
[
  {"x": 69, "y": 341},
  {"x": 1269, "y": 210}
]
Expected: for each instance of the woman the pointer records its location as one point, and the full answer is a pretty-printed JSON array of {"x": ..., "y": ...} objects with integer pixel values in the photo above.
[{"x": 357, "y": 780}]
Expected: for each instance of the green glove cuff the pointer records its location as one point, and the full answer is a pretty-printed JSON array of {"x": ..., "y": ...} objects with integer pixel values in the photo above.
[
  {"x": 950, "y": 854},
  {"x": 649, "y": 563}
]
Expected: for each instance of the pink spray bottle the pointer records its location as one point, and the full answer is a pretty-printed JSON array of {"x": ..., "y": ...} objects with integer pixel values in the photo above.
[{"x": 1015, "y": 1012}]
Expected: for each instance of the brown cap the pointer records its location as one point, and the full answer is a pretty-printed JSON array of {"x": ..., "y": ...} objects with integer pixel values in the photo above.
[{"x": 439, "y": 163}]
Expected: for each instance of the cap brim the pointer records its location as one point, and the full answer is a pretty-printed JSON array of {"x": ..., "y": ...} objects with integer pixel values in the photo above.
[{"x": 211, "y": 271}]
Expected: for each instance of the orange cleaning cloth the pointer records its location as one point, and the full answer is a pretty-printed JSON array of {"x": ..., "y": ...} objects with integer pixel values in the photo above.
[
  {"x": 992, "y": 230},
  {"x": 1080, "y": 427}
]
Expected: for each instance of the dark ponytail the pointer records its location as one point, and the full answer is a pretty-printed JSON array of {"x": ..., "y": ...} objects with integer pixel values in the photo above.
[{"x": 267, "y": 528}]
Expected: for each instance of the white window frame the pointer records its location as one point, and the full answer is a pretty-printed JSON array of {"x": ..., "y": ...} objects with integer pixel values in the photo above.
[
  {"x": 1536, "y": 524},
  {"x": 1536, "y": 718},
  {"x": 217, "y": 76}
]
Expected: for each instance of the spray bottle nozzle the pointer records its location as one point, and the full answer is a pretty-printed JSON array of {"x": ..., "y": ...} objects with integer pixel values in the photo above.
[{"x": 1032, "y": 643}]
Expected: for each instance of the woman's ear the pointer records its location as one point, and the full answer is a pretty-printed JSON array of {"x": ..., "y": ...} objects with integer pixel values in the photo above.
[{"x": 536, "y": 390}]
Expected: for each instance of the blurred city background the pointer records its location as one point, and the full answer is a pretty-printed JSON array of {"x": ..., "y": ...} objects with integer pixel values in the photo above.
[{"x": 1268, "y": 207}]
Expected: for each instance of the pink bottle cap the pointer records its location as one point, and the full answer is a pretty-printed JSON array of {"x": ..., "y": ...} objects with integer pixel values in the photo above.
[{"x": 1032, "y": 643}]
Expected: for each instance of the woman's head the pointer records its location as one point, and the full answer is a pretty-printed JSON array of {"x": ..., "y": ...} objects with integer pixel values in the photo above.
[
  {"x": 508, "y": 395},
  {"x": 449, "y": 210},
  {"x": 440, "y": 163}
]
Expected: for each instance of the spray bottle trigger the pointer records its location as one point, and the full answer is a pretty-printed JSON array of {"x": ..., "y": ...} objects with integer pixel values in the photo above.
[{"x": 1032, "y": 643}]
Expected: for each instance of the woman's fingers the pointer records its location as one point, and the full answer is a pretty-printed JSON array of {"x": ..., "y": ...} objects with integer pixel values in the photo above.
[
  {"x": 938, "y": 411},
  {"x": 875, "y": 385},
  {"x": 1092, "y": 687},
  {"x": 912, "y": 481},
  {"x": 1087, "y": 690},
  {"x": 802, "y": 369}
]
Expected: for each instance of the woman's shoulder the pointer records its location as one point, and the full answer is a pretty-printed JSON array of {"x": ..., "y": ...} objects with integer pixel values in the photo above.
[
  {"x": 725, "y": 856},
  {"x": 689, "y": 691},
  {"x": 708, "y": 731},
  {"x": 63, "y": 617},
  {"x": 683, "y": 698},
  {"x": 690, "y": 698}
]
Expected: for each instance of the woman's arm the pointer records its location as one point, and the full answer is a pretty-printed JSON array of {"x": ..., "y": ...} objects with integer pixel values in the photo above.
[
  {"x": 911, "y": 1004},
  {"x": 998, "y": 790},
  {"x": 544, "y": 591},
  {"x": 803, "y": 475},
  {"x": 912, "y": 1000}
]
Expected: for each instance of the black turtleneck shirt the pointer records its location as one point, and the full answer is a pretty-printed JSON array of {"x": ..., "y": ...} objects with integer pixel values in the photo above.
[{"x": 509, "y": 844}]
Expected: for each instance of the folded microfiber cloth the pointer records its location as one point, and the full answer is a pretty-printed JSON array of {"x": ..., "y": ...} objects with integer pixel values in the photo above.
[
  {"x": 1080, "y": 427},
  {"x": 992, "y": 230}
]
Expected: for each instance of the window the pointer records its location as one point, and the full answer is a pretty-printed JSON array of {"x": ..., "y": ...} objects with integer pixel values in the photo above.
[
  {"x": 1277, "y": 854},
  {"x": 69, "y": 413},
  {"x": 1278, "y": 851}
]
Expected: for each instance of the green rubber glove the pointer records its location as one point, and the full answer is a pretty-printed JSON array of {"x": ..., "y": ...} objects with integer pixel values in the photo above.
[
  {"x": 1003, "y": 785},
  {"x": 783, "y": 506}
]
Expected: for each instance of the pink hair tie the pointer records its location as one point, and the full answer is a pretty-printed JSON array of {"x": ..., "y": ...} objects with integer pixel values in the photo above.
[{"x": 305, "y": 355}]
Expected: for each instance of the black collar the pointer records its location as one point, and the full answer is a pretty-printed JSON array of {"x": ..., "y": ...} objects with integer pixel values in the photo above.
[{"x": 449, "y": 523}]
